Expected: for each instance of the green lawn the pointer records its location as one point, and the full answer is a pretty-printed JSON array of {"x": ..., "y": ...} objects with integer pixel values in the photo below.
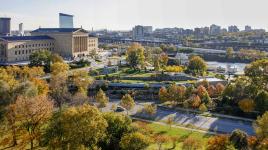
[{"x": 176, "y": 132}]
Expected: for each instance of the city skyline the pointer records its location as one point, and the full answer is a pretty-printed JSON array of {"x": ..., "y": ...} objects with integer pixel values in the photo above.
[{"x": 124, "y": 14}]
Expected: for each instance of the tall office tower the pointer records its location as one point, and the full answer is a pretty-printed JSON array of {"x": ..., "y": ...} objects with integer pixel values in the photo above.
[
  {"x": 233, "y": 29},
  {"x": 5, "y": 26},
  {"x": 66, "y": 21},
  {"x": 215, "y": 30},
  {"x": 138, "y": 32},
  {"x": 21, "y": 31},
  {"x": 148, "y": 29}
]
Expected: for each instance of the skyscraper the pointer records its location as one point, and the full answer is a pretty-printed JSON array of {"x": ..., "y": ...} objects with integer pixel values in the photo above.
[
  {"x": 21, "y": 31},
  {"x": 65, "y": 20},
  {"x": 5, "y": 26}
]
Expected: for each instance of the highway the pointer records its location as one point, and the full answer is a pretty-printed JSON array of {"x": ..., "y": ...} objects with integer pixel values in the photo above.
[{"x": 213, "y": 124}]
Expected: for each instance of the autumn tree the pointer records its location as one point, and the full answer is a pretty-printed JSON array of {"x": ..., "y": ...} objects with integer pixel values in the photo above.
[
  {"x": 160, "y": 140},
  {"x": 197, "y": 66},
  {"x": 134, "y": 141},
  {"x": 135, "y": 56},
  {"x": 195, "y": 101},
  {"x": 261, "y": 126},
  {"x": 127, "y": 102},
  {"x": 163, "y": 60},
  {"x": 258, "y": 72},
  {"x": 229, "y": 52},
  {"x": 31, "y": 114},
  {"x": 170, "y": 121},
  {"x": 75, "y": 128},
  {"x": 247, "y": 105},
  {"x": 156, "y": 64},
  {"x": 191, "y": 143},
  {"x": 81, "y": 80},
  {"x": 102, "y": 99},
  {"x": 58, "y": 83},
  {"x": 218, "y": 142},
  {"x": 211, "y": 90},
  {"x": 150, "y": 109},
  {"x": 163, "y": 94},
  {"x": 219, "y": 88}
]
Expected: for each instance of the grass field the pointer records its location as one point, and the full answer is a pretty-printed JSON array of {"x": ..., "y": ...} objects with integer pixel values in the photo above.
[{"x": 175, "y": 132}]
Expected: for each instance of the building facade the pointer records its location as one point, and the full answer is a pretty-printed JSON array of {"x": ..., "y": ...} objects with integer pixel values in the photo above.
[
  {"x": 70, "y": 43},
  {"x": 17, "y": 49},
  {"x": 65, "y": 21},
  {"x": 5, "y": 26}
]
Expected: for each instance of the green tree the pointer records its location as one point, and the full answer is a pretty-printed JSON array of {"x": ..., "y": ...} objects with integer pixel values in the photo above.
[
  {"x": 118, "y": 125},
  {"x": 239, "y": 139},
  {"x": 81, "y": 80},
  {"x": 197, "y": 66},
  {"x": 102, "y": 99},
  {"x": 127, "y": 102},
  {"x": 134, "y": 141},
  {"x": 75, "y": 128},
  {"x": 135, "y": 56},
  {"x": 262, "y": 101},
  {"x": 41, "y": 58}
]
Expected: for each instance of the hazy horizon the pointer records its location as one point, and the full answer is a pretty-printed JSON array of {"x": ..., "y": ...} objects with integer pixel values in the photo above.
[{"x": 124, "y": 14}]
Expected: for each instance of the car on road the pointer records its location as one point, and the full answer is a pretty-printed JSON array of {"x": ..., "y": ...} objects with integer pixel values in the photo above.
[{"x": 120, "y": 109}]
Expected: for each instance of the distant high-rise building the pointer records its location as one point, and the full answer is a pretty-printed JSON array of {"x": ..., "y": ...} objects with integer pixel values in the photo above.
[
  {"x": 148, "y": 29},
  {"x": 233, "y": 29},
  {"x": 5, "y": 26},
  {"x": 138, "y": 32},
  {"x": 66, "y": 21},
  {"x": 248, "y": 28},
  {"x": 21, "y": 31},
  {"x": 215, "y": 30}
]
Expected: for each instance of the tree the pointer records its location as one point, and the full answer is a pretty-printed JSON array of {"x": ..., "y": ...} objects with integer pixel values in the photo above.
[
  {"x": 258, "y": 72},
  {"x": 150, "y": 109},
  {"x": 118, "y": 125},
  {"x": 197, "y": 66},
  {"x": 81, "y": 80},
  {"x": 247, "y": 105},
  {"x": 75, "y": 128},
  {"x": 218, "y": 142},
  {"x": 127, "y": 102},
  {"x": 163, "y": 60},
  {"x": 41, "y": 58},
  {"x": 31, "y": 114},
  {"x": 56, "y": 58},
  {"x": 191, "y": 144},
  {"x": 229, "y": 52},
  {"x": 135, "y": 56},
  {"x": 170, "y": 121},
  {"x": 102, "y": 99},
  {"x": 219, "y": 88},
  {"x": 211, "y": 90},
  {"x": 196, "y": 101},
  {"x": 160, "y": 140},
  {"x": 156, "y": 64},
  {"x": 239, "y": 139},
  {"x": 261, "y": 126},
  {"x": 262, "y": 101},
  {"x": 203, "y": 107},
  {"x": 58, "y": 83},
  {"x": 134, "y": 141},
  {"x": 201, "y": 91},
  {"x": 163, "y": 94}
]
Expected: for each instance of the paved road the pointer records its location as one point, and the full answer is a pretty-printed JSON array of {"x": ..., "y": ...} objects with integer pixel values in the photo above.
[{"x": 221, "y": 125}]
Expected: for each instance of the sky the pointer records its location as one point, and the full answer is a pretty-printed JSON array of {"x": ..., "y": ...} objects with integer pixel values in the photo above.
[{"x": 124, "y": 14}]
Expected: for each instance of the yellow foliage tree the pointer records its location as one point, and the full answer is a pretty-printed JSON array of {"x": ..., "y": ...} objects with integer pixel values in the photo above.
[{"x": 247, "y": 105}]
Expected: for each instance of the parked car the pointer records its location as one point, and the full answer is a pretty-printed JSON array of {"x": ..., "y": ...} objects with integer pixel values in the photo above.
[{"x": 120, "y": 109}]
